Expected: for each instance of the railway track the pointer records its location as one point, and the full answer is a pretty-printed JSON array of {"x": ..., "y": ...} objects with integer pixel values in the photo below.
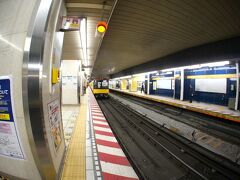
[
  {"x": 228, "y": 131},
  {"x": 157, "y": 153}
]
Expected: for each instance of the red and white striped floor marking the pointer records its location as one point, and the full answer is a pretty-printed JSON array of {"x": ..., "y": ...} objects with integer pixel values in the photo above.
[{"x": 114, "y": 164}]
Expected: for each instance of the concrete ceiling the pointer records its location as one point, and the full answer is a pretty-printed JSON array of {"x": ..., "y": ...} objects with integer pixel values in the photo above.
[{"x": 144, "y": 30}]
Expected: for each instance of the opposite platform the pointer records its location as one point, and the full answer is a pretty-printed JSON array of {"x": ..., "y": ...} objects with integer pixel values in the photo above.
[{"x": 204, "y": 108}]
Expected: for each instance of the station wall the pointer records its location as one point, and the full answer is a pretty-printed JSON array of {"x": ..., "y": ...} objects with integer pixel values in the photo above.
[
  {"x": 212, "y": 85},
  {"x": 70, "y": 75},
  {"x": 162, "y": 83},
  {"x": 209, "y": 84}
]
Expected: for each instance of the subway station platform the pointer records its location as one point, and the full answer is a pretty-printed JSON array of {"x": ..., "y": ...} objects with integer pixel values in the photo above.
[
  {"x": 93, "y": 152},
  {"x": 204, "y": 108}
]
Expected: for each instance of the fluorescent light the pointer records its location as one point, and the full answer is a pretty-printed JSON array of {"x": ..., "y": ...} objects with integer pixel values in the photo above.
[
  {"x": 83, "y": 36},
  {"x": 222, "y": 63},
  {"x": 141, "y": 74},
  {"x": 196, "y": 66},
  {"x": 214, "y": 64},
  {"x": 151, "y": 72},
  {"x": 125, "y": 77},
  {"x": 171, "y": 69}
]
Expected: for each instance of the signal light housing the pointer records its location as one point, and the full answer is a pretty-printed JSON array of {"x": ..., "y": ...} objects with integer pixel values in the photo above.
[{"x": 102, "y": 26}]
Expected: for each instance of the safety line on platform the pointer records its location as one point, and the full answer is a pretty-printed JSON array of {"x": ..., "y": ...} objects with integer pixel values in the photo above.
[{"x": 114, "y": 163}]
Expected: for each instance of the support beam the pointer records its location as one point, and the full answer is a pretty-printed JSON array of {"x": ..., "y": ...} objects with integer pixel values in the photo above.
[
  {"x": 174, "y": 88},
  {"x": 237, "y": 86},
  {"x": 182, "y": 85},
  {"x": 148, "y": 83}
]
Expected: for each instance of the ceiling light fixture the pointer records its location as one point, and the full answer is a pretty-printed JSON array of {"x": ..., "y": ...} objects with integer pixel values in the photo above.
[{"x": 83, "y": 36}]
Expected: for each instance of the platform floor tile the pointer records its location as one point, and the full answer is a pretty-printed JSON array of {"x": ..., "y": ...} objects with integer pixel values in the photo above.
[{"x": 75, "y": 162}]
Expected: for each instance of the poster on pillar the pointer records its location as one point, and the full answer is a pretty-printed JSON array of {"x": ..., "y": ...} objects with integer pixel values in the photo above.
[
  {"x": 55, "y": 122},
  {"x": 10, "y": 145}
]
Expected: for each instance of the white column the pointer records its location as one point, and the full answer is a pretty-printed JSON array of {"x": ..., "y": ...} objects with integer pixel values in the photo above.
[
  {"x": 182, "y": 84},
  {"x": 148, "y": 83},
  {"x": 174, "y": 89},
  {"x": 237, "y": 86},
  {"x": 70, "y": 70}
]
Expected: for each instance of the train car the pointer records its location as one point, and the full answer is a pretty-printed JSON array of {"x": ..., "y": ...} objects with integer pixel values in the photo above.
[{"x": 100, "y": 88}]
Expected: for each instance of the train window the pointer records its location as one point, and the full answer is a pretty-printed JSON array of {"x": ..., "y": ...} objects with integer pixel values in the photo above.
[
  {"x": 105, "y": 83},
  {"x": 99, "y": 85}
]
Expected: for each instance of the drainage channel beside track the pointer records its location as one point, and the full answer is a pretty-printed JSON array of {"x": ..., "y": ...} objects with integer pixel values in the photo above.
[{"x": 157, "y": 153}]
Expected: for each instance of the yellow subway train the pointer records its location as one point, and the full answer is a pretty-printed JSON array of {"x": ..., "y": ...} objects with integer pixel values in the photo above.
[{"x": 100, "y": 88}]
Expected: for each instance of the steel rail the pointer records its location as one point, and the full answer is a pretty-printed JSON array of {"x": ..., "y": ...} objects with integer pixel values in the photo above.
[
  {"x": 209, "y": 125},
  {"x": 165, "y": 148},
  {"x": 155, "y": 141}
]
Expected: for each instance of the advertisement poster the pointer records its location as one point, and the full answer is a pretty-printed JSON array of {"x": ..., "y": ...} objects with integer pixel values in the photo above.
[
  {"x": 55, "y": 122},
  {"x": 9, "y": 142},
  {"x": 70, "y": 24}
]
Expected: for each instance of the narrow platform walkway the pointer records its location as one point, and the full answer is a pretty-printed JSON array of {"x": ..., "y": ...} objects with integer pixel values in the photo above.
[
  {"x": 209, "y": 109},
  {"x": 114, "y": 164},
  {"x": 93, "y": 152}
]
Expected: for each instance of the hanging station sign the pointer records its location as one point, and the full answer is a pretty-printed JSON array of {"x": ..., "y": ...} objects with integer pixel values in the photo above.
[
  {"x": 70, "y": 23},
  {"x": 9, "y": 140}
]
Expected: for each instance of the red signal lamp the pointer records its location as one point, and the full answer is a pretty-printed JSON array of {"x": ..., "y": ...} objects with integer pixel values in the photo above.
[{"x": 102, "y": 26}]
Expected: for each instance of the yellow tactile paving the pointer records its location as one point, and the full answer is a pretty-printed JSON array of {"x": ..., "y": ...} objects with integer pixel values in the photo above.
[{"x": 75, "y": 162}]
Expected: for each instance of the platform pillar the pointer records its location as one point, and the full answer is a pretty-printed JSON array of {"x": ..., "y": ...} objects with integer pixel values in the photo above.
[
  {"x": 237, "y": 87},
  {"x": 148, "y": 83},
  {"x": 182, "y": 85}
]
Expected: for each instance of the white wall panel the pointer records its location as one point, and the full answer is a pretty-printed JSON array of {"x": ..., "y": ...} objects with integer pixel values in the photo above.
[
  {"x": 211, "y": 85},
  {"x": 164, "y": 84},
  {"x": 70, "y": 69}
]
